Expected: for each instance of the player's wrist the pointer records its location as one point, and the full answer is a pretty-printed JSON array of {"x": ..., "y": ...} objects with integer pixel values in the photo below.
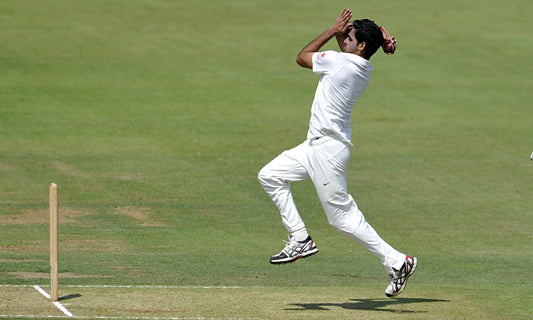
[{"x": 333, "y": 32}]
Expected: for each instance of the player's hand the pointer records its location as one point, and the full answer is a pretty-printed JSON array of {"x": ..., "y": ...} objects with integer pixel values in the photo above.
[
  {"x": 387, "y": 36},
  {"x": 342, "y": 24},
  {"x": 389, "y": 42}
]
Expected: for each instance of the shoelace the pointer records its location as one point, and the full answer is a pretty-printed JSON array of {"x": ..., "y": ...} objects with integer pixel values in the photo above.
[
  {"x": 288, "y": 242},
  {"x": 291, "y": 246},
  {"x": 401, "y": 275}
]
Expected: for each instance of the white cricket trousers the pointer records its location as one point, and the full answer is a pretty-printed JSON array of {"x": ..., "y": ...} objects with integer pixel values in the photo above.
[{"x": 324, "y": 161}]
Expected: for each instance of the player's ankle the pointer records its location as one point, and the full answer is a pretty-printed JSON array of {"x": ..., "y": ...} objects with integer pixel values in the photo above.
[{"x": 300, "y": 235}]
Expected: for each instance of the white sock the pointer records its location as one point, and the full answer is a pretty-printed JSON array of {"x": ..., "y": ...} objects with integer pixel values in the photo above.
[{"x": 300, "y": 235}]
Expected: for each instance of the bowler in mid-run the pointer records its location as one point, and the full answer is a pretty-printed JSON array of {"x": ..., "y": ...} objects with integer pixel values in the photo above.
[{"x": 324, "y": 155}]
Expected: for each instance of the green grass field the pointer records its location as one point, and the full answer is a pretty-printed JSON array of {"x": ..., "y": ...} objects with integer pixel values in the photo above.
[{"x": 154, "y": 117}]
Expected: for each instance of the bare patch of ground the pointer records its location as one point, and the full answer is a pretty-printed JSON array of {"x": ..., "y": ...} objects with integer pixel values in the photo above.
[
  {"x": 20, "y": 260},
  {"x": 70, "y": 170},
  {"x": 104, "y": 245},
  {"x": 26, "y": 246},
  {"x": 45, "y": 275},
  {"x": 27, "y": 217},
  {"x": 143, "y": 216},
  {"x": 5, "y": 167},
  {"x": 70, "y": 243},
  {"x": 129, "y": 176}
]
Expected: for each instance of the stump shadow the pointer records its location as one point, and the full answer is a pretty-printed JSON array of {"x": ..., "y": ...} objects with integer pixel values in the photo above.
[{"x": 70, "y": 296}]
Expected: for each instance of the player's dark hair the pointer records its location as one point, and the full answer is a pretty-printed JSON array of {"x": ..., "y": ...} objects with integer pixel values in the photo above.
[{"x": 368, "y": 31}]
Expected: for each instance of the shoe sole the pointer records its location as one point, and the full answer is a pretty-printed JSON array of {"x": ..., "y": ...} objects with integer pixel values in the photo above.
[
  {"x": 306, "y": 254},
  {"x": 415, "y": 262}
]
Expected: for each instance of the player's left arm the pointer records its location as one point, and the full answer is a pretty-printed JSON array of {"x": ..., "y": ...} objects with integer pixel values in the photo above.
[
  {"x": 387, "y": 36},
  {"x": 341, "y": 25}
]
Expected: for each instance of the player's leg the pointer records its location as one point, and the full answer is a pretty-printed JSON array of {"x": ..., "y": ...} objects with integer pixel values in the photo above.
[
  {"x": 329, "y": 178},
  {"x": 276, "y": 178}
]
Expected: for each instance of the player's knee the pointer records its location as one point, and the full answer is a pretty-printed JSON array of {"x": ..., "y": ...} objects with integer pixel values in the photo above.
[
  {"x": 264, "y": 177},
  {"x": 343, "y": 218},
  {"x": 338, "y": 225},
  {"x": 345, "y": 226}
]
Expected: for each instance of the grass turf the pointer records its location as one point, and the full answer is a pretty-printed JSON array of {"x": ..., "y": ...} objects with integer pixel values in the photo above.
[{"x": 155, "y": 117}]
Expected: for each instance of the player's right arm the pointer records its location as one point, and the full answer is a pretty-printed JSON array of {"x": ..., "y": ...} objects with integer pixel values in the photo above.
[
  {"x": 339, "y": 28},
  {"x": 342, "y": 36}
]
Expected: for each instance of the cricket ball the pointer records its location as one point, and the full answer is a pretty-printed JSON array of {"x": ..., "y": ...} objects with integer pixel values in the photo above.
[{"x": 389, "y": 47}]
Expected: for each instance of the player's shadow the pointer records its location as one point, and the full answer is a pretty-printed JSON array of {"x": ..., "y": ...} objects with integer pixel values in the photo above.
[{"x": 366, "y": 304}]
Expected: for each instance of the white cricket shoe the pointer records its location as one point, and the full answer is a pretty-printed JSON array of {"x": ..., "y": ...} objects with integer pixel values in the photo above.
[
  {"x": 295, "y": 250},
  {"x": 398, "y": 281}
]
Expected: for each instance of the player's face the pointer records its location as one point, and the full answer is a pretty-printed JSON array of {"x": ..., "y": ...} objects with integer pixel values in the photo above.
[{"x": 350, "y": 43}]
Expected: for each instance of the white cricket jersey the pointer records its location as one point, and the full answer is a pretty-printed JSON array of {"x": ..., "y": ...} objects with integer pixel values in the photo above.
[{"x": 344, "y": 77}]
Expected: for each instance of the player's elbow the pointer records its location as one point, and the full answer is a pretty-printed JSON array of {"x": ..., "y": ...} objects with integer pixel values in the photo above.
[
  {"x": 299, "y": 60},
  {"x": 304, "y": 61}
]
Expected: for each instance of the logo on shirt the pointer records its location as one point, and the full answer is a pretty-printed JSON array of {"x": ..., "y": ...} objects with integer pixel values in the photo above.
[{"x": 320, "y": 56}]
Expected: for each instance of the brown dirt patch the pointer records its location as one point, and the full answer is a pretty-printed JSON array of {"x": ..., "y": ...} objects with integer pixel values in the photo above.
[
  {"x": 129, "y": 176},
  {"x": 5, "y": 167},
  {"x": 20, "y": 260},
  {"x": 101, "y": 245},
  {"x": 27, "y": 246},
  {"x": 69, "y": 170},
  {"x": 69, "y": 243},
  {"x": 45, "y": 275},
  {"x": 143, "y": 216},
  {"x": 26, "y": 217}
]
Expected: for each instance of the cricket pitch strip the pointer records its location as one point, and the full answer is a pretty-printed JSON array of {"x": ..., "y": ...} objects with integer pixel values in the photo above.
[{"x": 205, "y": 302}]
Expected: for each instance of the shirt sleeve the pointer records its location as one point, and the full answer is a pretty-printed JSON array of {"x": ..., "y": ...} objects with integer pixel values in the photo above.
[{"x": 324, "y": 62}]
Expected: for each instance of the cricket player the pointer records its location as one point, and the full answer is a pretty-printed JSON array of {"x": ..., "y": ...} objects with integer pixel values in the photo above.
[{"x": 324, "y": 155}]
